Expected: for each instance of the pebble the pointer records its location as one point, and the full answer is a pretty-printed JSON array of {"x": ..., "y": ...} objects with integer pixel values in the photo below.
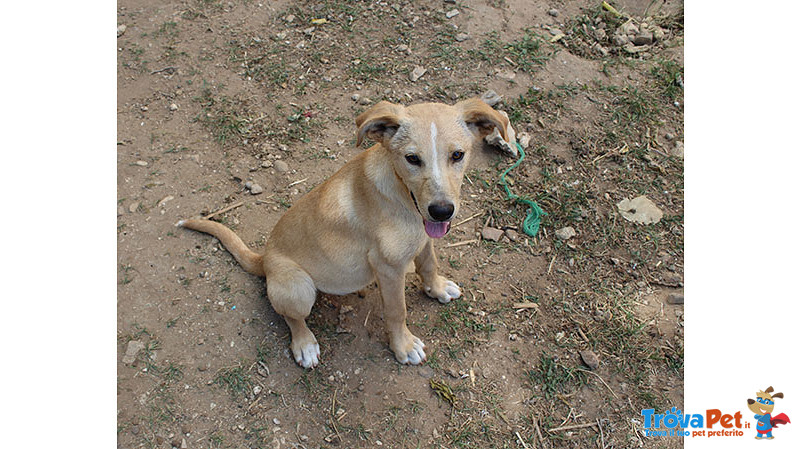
[
  {"x": 669, "y": 136},
  {"x": 364, "y": 101},
  {"x": 590, "y": 359},
  {"x": 524, "y": 139},
  {"x": 134, "y": 206},
  {"x": 426, "y": 372},
  {"x": 281, "y": 167},
  {"x": 512, "y": 235},
  {"x": 507, "y": 75},
  {"x": 553, "y": 12},
  {"x": 566, "y": 233},
  {"x": 493, "y": 234},
  {"x": 402, "y": 47},
  {"x": 134, "y": 346},
  {"x": 677, "y": 150},
  {"x": 675, "y": 298},
  {"x": 121, "y": 29},
  {"x": 355, "y": 97},
  {"x": 256, "y": 189},
  {"x": 452, "y": 13},
  {"x": 141, "y": 163},
  {"x": 491, "y": 98},
  {"x": 417, "y": 73},
  {"x": 461, "y": 37},
  {"x": 173, "y": 107},
  {"x": 643, "y": 38}
]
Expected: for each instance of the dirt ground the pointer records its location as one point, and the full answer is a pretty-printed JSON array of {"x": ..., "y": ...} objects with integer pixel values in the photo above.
[{"x": 213, "y": 95}]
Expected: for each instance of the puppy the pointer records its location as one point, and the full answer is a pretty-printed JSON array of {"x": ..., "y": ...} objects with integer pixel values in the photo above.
[{"x": 370, "y": 220}]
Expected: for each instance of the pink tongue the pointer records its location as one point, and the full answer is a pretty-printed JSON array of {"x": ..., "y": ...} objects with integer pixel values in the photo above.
[{"x": 436, "y": 229}]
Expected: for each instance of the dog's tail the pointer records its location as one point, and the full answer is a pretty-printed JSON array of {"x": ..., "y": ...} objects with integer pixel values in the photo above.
[{"x": 249, "y": 260}]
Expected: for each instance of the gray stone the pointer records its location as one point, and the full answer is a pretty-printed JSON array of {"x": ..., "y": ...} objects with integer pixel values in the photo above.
[
  {"x": 512, "y": 235},
  {"x": 643, "y": 38},
  {"x": 590, "y": 359},
  {"x": 256, "y": 189},
  {"x": 417, "y": 73},
  {"x": 566, "y": 233},
  {"x": 281, "y": 167},
  {"x": 492, "y": 234},
  {"x": 491, "y": 98},
  {"x": 553, "y": 12},
  {"x": 461, "y": 37},
  {"x": 452, "y": 13},
  {"x": 675, "y": 298},
  {"x": 426, "y": 371},
  {"x": 133, "y": 349}
]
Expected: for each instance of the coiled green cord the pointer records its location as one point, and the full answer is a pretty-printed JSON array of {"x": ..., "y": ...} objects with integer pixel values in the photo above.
[{"x": 530, "y": 225}]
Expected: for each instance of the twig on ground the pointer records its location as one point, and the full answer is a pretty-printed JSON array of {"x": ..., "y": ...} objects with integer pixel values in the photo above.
[{"x": 222, "y": 211}]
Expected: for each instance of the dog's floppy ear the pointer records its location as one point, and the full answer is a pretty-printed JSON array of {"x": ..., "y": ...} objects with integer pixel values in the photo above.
[
  {"x": 481, "y": 118},
  {"x": 379, "y": 123}
]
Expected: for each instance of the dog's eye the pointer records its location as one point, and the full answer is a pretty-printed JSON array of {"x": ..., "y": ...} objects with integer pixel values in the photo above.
[
  {"x": 413, "y": 159},
  {"x": 457, "y": 156}
]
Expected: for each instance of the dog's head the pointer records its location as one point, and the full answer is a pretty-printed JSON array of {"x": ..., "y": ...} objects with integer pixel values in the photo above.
[
  {"x": 764, "y": 402},
  {"x": 430, "y": 146}
]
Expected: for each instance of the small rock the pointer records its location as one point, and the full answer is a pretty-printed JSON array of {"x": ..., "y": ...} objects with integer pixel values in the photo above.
[
  {"x": 134, "y": 346},
  {"x": 309, "y": 31},
  {"x": 281, "y": 167},
  {"x": 555, "y": 31},
  {"x": 512, "y": 235},
  {"x": 669, "y": 136},
  {"x": 141, "y": 163},
  {"x": 121, "y": 29},
  {"x": 566, "y": 233},
  {"x": 452, "y": 13},
  {"x": 553, "y": 12},
  {"x": 173, "y": 107},
  {"x": 493, "y": 234},
  {"x": 590, "y": 359},
  {"x": 621, "y": 40},
  {"x": 640, "y": 210},
  {"x": 426, "y": 371},
  {"x": 134, "y": 206},
  {"x": 677, "y": 150},
  {"x": 364, "y": 101},
  {"x": 276, "y": 421},
  {"x": 643, "y": 38},
  {"x": 461, "y": 37},
  {"x": 256, "y": 189},
  {"x": 507, "y": 75},
  {"x": 183, "y": 444},
  {"x": 355, "y": 97},
  {"x": 417, "y": 73},
  {"x": 675, "y": 298},
  {"x": 290, "y": 18},
  {"x": 248, "y": 185},
  {"x": 524, "y": 140},
  {"x": 491, "y": 98},
  {"x": 402, "y": 47}
]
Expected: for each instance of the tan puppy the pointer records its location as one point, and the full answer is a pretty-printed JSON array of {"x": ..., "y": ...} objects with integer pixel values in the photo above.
[{"x": 371, "y": 219}]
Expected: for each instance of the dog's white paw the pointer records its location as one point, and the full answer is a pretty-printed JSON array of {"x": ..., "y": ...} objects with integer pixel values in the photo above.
[
  {"x": 447, "y": 290},
  {"x": 307, "y": 356},
  {"x": 414, "y": 356}
]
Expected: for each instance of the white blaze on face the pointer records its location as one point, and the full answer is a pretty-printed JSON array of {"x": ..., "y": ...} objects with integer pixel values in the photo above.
[{"x": 437, "y": 174}]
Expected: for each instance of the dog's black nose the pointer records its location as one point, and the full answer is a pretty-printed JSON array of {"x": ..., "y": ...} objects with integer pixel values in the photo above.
[{"x": 441, "y": 211}]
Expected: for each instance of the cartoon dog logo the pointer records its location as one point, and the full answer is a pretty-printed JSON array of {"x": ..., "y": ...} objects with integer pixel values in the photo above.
[{"x": 762, "y": 407}]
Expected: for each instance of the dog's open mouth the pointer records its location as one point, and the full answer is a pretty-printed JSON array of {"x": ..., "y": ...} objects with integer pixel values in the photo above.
[{"x": 436, "y": 229}]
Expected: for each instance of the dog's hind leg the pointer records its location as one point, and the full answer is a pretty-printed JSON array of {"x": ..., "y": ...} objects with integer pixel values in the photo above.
[
  {"x": 435, "y": 286},
  {"x": 292, "y": 293}
]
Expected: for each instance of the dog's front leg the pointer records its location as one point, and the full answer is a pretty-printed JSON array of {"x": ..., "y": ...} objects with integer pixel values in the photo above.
[
  {"x": 435, "y": 286},
  {"x": 407, "y": 348}
]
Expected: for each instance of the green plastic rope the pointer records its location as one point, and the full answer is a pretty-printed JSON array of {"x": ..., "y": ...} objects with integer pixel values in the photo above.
[{"x": 530, "y": 225}]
